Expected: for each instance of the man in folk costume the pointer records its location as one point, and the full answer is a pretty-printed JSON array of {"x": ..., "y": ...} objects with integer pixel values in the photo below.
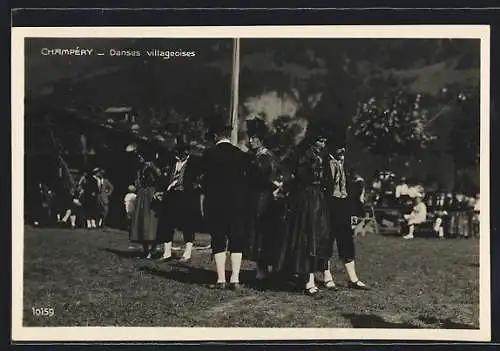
[
  {"x": 344, "y": 206},
  {"x": 224, "y": 170},
  {"x": 264, "y": 226},
  {"x": 181, "y": 200}
]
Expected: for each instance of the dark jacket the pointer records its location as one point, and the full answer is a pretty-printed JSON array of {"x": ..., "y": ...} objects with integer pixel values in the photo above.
[
  {"x": 191, "y": 179},
  {"x": 225, "y": 172},
  {"x": 354, "y": 189}
]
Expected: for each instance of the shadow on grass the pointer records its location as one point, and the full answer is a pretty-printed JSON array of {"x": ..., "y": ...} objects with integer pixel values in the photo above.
[
  {"x": 445, "y": 323},
  {"x": 189, "y": 275},
  {"x": 373, "y": 321},
  {"x": 200, "y": 276},
  {"x": 136, "y": 253}
]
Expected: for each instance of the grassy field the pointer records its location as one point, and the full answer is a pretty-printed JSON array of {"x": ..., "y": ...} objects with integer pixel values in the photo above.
[{"x": 90, "y": 278}]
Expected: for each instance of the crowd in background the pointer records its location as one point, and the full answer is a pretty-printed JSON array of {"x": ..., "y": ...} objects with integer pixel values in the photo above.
[
  {"x": 87, "y": 203},
  {"x": 82, "y": 204},
  {"x": 447, "y": 213}
]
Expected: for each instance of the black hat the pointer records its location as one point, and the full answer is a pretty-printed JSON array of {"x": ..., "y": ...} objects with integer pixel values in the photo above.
[
  {"x": 319, "y": 127},
  {"x": 181, "y": 144},
  {"x": 337, "y": 139},
  {"x": 218, "y": 125},
  {"x": 256, "y": 127}
]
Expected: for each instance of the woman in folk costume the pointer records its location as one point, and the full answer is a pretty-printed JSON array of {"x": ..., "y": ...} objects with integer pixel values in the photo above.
[
  {"x": 306, "y": 245},
  {"x": 261, "y": 248},
  {"x": 144, "y": 224},
  {"x": 90, "y": 199}
]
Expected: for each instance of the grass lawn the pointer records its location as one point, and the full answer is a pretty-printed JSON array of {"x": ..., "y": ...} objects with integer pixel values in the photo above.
[{"x": 90, "y": 278}]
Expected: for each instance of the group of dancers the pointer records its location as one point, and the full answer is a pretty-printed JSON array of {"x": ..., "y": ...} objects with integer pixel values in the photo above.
[{"x": 285, "y": 216}]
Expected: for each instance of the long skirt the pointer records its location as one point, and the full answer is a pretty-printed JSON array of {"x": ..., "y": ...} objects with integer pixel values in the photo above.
[
  {"x": 306, "y": 244},
  {"x": 144, "y": 224},
  {"x": 90, "y": 205},
  {"x": 180, "y": 210},
  {"x": 264, "y": 228}
]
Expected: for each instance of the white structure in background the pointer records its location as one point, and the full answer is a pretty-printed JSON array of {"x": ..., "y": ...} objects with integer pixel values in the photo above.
[{"x": 124, "y": 113}]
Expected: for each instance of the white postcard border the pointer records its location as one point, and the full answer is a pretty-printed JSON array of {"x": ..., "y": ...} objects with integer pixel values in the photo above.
[{"x": 123, "y": 334}]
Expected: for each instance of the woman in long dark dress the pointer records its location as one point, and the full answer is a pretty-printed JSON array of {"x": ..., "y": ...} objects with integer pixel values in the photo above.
[
  {"x": 265, "y": 215},
  {"x": 90, "y": 200},
  {"x": 144, "y": 224},
  {"x": 306, "y": 244}
]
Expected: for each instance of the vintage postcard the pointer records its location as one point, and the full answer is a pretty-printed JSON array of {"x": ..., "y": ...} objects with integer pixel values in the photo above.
[{"x": 251, "y": 183}]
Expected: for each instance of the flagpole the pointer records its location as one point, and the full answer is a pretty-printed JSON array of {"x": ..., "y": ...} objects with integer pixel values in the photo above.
[{"x": 235, "y": 90}]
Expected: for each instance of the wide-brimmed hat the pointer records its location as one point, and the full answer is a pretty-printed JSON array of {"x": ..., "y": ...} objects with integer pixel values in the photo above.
[
  {"x": 337, "y": 140},
  {"x": 181, "y": 144},
  {"x": 319, "y": 128},
  {"x": 256, "y": 127},
  {"x": 218, "y": 124}
]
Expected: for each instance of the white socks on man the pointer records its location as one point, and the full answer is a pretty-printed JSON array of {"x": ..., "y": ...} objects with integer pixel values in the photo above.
[
  {"x": 187, "y": 251},
  {"x": 220, "y": 263},
  {"x": 167, "y": 250},
  {"x": 66, "y": 216},
  {"x": 235, "y": 266},
  {"x": 73, "y": 221}
]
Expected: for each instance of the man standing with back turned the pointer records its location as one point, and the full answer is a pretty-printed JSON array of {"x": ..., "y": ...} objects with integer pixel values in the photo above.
[{"x": 224, "y": 170}]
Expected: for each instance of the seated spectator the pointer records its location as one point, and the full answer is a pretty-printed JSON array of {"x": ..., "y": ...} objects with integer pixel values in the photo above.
[
  {"x": 475, "y": 218},
  {"x": 440, "y": 214},
  {"x": 459, "y": 224},
  {"x": 417, "y": 216}
]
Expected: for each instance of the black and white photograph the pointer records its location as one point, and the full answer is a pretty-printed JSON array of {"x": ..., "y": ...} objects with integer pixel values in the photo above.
[{"x": 259, "y": 183}]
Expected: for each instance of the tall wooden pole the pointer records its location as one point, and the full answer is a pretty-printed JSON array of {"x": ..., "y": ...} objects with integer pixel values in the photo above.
[{"x": 235, "y": 90}]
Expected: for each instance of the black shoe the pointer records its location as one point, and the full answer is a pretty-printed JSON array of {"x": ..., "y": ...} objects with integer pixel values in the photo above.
[
  {"x": 261, "y": 284},
  {"x": 312, "y": 291},
  {"x": 330, "y": 285},
  {"x": 234, "y": 286},
  {"x": 217, "y": 286},
  {"x": 357, "y": 285},
  {"x": 185, "y": 260}
]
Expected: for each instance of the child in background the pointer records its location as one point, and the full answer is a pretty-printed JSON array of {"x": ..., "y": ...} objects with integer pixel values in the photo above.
[{"x": 129, "y": 202}]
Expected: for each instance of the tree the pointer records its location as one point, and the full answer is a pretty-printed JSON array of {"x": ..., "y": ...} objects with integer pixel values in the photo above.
[
  {"x": 464, "y": 144},
  {"x": 392, "y": 127}
]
